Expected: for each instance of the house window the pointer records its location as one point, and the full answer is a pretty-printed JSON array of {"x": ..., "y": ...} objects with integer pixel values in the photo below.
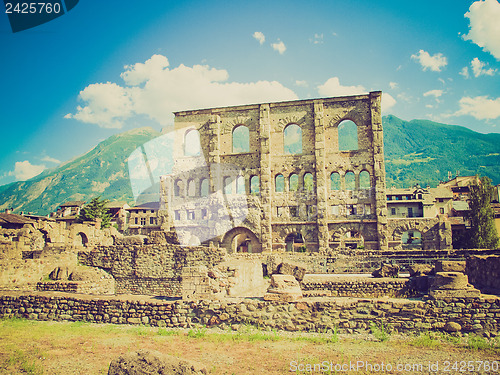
[
  {"x": 190, "y": 214},
  {"x": 143, "y": 221},
  {"x": 410, "y": 212},
  {"x": 204, "y": 213},
  {"x": 136, "y": 220},
  {"x": 441, "y": 210},
  {"x": 177, "y": 215},
  {"x": 152, "y": 220},
  {"x": 393, "y": 211},
  {"x": 294, "y": 211}
]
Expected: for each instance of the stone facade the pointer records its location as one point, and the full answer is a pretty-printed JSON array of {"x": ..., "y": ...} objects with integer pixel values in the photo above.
[{"x": 285, "y": 180}]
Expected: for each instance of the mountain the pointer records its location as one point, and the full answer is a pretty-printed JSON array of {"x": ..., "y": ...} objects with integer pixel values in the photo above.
[
  {"x": 422, "y": 151},
  {"x": 101, "y": 171},
  {"x": 417, "y": 151}
]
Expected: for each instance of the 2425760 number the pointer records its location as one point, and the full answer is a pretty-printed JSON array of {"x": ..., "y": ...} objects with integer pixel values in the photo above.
[{"x": 33, "y": 7}]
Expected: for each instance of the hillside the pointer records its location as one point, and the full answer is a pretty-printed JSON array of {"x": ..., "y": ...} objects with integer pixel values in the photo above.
[
  {"x": 424, "y": 151},
  {"x": 101, "y": 171},
  {"x": 417, "y": 151}
]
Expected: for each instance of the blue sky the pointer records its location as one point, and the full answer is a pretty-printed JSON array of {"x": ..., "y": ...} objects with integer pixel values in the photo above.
[{"x": 109, "y": 66}]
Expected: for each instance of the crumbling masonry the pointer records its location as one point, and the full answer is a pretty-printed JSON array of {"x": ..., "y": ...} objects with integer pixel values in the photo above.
[{"x": 280, "y": 176}]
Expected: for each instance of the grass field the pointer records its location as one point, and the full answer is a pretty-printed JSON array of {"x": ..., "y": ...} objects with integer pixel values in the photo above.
[{"x": 33, "y": 347}]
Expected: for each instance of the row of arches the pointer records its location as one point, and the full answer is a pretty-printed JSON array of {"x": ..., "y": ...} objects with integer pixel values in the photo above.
[
  {"x": 200, "y": 187},
  {"x": 350, "y": 181},
  {"x": 292, "y": 139},
  {"x": 294, "y": 182}
]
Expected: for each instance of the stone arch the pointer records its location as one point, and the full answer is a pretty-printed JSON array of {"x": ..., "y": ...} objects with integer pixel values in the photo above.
[
  {"x": 292, "y": 139},
  {"x": 241, "y": 139},
  {"x": 293, "y": 182},
  {"x": 364, "y": 180},
  {"x": 242, "y": 240},
  {"x": 348, "y": 236},
  {"x": 350, "y": 180},
  {"x": 254, "y": 184},
  {"x": 347, "y": 135},
  {"x": 294, "y": 240},
  {"x": 308, "y": 181},
  {"x": 81, "y": 239},
  {"x": 335, "y": 183},
  {"x": 279, "y": 183},
  {"x": 204, "y": 188}
]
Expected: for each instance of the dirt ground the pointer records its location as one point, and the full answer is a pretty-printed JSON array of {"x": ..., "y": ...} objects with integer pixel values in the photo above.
[{"x": 32, "y": 347}]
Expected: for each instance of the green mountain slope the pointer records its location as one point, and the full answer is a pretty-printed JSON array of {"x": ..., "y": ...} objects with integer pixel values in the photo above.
[
  {"x": 101, "y": 171},
  {"x": 417, "y": 151},
  {"x": 421, "y": 151}
]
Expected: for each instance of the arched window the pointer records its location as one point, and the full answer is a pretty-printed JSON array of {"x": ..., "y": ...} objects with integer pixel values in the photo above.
[
  {"x": 192, "y": 143},
  {"x": 191, "y": 188},
  {"x": 177, "y": 188},
  {"x": 204, "y": 187},
  {"x": 292, "y": 139},
  {"x": 364, "y": 180},
  {"x": 348, "y": 136},
  {"x": 241, "y": 142},
  {"x": 350, "y": 181},
  {"x": 254, "y": 185},
  {"x": 293, "y": 182},
  {"x": 335, "y": 181},
  {"x": 228, "y": 188},
  {"x": 279, "y": 182},
  {"x": 240, "y": 185},
  {"x": 308, "y": 182}
]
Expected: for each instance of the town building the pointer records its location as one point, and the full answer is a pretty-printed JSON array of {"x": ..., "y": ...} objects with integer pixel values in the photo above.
[{"x": 143, "y": 218}]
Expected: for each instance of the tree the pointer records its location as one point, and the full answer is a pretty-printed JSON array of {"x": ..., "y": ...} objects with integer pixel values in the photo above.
[
  {"x": 482, "y": 233},
  {"x": 96, "y": 209}
]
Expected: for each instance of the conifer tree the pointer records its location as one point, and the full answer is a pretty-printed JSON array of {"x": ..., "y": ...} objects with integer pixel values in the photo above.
[
  {"x": 482, "y": 233},
  {"x": 94, "y": 210}
]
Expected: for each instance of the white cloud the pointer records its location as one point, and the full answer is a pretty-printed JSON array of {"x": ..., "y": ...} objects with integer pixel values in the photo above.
[
  {"x": 479, "y": 107},
  {"x": 478, "y": 68},
  {"x": 332, "y": 87},
  {"x": 259, "y": 36},
  {"x": 393, "y": 85},
  {"x": 24, "y": 170},
  {"x": 435, "y": 62},
  {"x": 434, "y": 93},
  {"x": 465, "y": 72},
  {"x": 301, "y": 83},
  {"x": 154, "y": 90},
  {"x": 279, "y": 46},
  {"x": 484, "y": 28}
]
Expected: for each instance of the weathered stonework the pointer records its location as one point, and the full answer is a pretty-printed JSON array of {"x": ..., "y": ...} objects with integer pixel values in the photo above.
[{"x": 323, "y": 218}]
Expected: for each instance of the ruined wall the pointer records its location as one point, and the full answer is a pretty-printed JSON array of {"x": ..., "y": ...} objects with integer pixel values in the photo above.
[
  {"x": 308, "y": 204},
  {"x": 484, "y": 272},
  {"x": 149, "y": 269},
  {"x": 309, "y": 315},
  {"x": 436, "y": 232}
]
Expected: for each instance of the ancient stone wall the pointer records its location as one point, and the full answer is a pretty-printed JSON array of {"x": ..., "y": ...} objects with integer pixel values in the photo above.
[
  {"x": 484, "y": 272},
  {"x": 345, "y": 315},
  {"x": 284, "y": 167},
  {"x": 149, "y": 269}
]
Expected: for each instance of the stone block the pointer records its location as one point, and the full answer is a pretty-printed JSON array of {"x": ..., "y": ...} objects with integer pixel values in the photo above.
[
  {"x": 450, "y": 280},
  {"x": 387, "y": 270},
  {"x": 417, "y": 270},
  {"x": 450, "y": 266},
  {"x": 296, "y": 270},
  {"x": 283, "y": 288}
]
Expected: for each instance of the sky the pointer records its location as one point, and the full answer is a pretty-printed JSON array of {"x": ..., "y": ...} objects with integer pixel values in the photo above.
[{"x": 109, "y": 66}]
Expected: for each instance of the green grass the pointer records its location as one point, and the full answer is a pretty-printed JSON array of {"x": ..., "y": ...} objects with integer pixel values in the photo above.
[
  {"x": 379, "y": 332},
  {"x": 25, "y": 362},
  {"x": 426, "y": 340}
]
